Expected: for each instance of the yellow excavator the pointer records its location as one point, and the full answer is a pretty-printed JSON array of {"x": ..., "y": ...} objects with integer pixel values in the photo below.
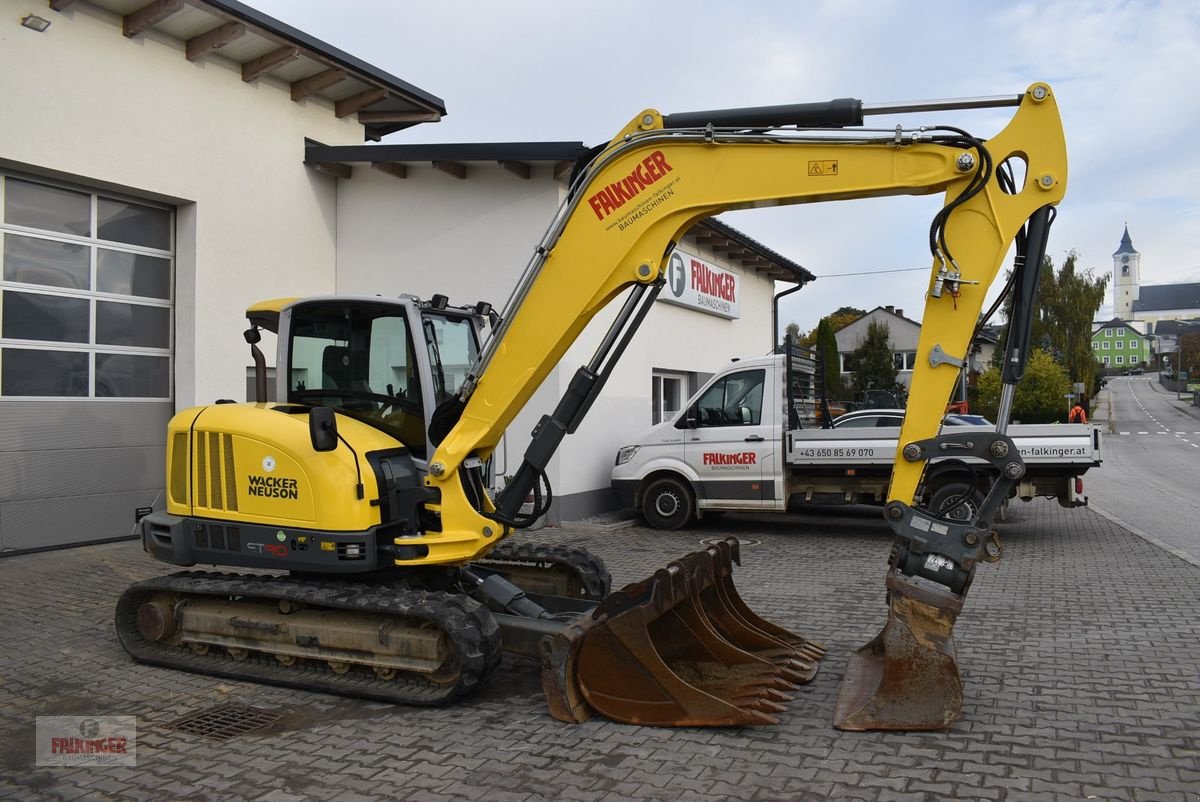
[{"x": 366, "y": 486}]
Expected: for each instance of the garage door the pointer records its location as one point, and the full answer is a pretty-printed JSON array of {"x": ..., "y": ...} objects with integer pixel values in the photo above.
[{"x": 86, "y": 330}]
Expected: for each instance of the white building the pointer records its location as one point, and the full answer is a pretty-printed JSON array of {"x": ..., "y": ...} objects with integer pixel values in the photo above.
[
  {"x": 903, "y": 335},
  {"x": 1149, "y": 304},
  {"x": 173, "y": 163}
]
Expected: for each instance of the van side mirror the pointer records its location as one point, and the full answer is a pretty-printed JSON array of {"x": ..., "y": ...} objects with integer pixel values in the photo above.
[
  {"x": 689, "y": 419},
  {"x": 322, "y": 428}
]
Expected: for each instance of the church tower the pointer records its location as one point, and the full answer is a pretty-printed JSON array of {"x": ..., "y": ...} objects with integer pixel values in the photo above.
[{"x": 1127, "y": 278}]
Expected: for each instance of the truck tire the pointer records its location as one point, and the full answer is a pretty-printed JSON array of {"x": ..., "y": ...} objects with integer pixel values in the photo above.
[
  {"x": 668, "y": 504},
  {"x": 947, "y": 497}
]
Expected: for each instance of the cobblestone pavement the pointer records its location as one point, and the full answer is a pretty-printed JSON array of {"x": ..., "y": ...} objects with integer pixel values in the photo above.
[{"x": 1079, "y": 652}]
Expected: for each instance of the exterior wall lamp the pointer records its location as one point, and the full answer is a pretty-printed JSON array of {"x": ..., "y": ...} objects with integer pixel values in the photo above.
[{"x": 35, "y": 23}]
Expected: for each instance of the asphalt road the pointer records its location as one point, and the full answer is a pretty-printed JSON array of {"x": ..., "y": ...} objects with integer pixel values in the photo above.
[{"x": 1150, "y": 479}]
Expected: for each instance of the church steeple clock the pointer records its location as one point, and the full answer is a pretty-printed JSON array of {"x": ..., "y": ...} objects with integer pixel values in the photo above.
[{"x": 1127, "y": 278}]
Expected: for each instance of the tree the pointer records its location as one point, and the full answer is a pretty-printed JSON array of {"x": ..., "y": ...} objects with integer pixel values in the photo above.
[
  {"x": 792, "y": 330},
  {"x": 827, "y": 351},
  {"x": 1066, "y": 305},
  {"x": 1040, "y": 396},
  {"x": 844, "y": 316},
  {"x": 1189, "y": 354},
  {"x": 874, "y": 365}
]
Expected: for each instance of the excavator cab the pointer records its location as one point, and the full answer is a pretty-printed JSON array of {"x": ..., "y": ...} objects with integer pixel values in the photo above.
[{"x": 386, "y": 362}]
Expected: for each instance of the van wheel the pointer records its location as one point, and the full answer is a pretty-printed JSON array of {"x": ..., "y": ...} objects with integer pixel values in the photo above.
[
  {"x": 668, "y": 504},
  {"x": 947, "y": 499}
]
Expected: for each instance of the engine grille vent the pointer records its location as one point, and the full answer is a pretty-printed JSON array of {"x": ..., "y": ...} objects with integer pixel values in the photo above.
[
  {"x": 216, "y": 474},
  {"x": 213, "y": 536}
]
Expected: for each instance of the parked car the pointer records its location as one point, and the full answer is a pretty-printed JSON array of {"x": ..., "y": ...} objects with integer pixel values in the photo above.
[{"x": 869, "y": 418}]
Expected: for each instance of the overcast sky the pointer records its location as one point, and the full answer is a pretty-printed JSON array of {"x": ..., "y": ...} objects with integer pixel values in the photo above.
[{"x": 1125, "y": 75}]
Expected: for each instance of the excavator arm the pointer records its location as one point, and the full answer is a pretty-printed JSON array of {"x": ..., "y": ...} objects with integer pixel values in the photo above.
[
  {"x": 660, "y": 175},
  {"x": 626, "y": 211}
]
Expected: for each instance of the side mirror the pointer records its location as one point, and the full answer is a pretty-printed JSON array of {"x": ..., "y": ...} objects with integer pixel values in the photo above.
[
  {"x": 689, "y": 419},
  {"x": 322, "y": 429}
]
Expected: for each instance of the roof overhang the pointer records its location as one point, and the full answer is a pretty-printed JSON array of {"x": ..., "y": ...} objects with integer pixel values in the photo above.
[
  {"x": 457, "y": 159},
  {"x": 732, "y": 244},
  {"x": 265, "y": 47}
]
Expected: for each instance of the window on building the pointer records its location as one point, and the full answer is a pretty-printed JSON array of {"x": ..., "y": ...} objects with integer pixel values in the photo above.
[
  {"x": 668, "y": 392},
  {"x": 1120, "y": 332},
  {"x": 1119, "y": 344},
  {"x": 1106, "y": 345},
  {"x": 85, "y": 293},
  {"x": 1108, "y": 332},
  {"x": 1104, "y": 359},
  {"x": 905, "y": 360},
  {"x": 1120, "y": 359}
]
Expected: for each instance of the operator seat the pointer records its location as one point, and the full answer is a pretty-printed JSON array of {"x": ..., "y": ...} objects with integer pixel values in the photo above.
[{"x": 335, "y": 367}]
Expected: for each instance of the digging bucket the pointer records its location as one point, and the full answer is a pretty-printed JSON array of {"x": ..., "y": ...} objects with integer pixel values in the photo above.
[
  {"x": 673, "y": 651},
  {"x": 737, "y": 621},
  {"x": 907, "y": 677}
]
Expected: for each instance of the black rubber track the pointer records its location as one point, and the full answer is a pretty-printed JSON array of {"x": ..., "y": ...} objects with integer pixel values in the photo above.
[
  {"x": 468, "y": 625},
  {"x": 590, "y": 569}
]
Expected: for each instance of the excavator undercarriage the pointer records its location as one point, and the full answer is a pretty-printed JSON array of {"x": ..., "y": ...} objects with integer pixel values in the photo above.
[{"x": 436, "y": 634}]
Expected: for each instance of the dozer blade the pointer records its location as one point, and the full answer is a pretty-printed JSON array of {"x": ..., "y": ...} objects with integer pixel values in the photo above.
[
  {"x": 907, "y": 677},
  {"x": 673, "y": 651}
]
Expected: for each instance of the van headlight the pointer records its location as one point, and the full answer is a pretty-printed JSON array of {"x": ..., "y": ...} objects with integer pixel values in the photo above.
[{"x": 625, "y": 454}]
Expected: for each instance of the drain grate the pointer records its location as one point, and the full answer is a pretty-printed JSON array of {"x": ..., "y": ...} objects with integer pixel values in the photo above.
[{"x": 225, "y": 721}]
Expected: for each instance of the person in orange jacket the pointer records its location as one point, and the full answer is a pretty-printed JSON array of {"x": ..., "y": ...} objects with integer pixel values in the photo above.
[{"x": 1078, "y": 413}]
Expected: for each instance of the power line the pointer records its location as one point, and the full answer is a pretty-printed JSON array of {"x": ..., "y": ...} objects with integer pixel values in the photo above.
[{"x": 873, "y": 272}]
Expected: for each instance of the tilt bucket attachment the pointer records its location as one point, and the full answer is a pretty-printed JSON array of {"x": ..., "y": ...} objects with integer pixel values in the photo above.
[
  {"x": 678, "y": 649},
  {"x": 907, "y": 677}
]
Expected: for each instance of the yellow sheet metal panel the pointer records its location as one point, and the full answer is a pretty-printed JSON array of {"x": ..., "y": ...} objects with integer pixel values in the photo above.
[
  {"x": 253, "y": 464},
  {"x": 979, "y": 234},
  {"x": 265, "y": 314}
]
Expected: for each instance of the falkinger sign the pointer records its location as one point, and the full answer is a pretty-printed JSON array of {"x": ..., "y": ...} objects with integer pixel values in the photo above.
[{"x": 701, "y": 285}]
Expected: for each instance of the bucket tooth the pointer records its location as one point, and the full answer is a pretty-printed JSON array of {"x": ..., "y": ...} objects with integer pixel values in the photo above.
[
  {"x": 907, "y": 677},
  {"x": 724, "y": 555}
]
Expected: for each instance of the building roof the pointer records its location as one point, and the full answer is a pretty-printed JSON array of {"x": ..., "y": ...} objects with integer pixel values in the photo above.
[
  {"x": 1126, "y": 245},
  {"x": 1156, "y": 297},
  {"x": 741, "y": 244},
  {"x": 894, "y": 312},
  {"x": 263, "y": 46},
  {"x": 1118, "y": 323},
  {"x": 456, "y": 159},
  {"x": 1169, "y": 327}
]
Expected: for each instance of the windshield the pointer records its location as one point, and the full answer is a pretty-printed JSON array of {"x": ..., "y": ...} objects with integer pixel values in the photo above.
[
  {"x": 452, "y": 350},
  {"x": 358, "y": 358}
]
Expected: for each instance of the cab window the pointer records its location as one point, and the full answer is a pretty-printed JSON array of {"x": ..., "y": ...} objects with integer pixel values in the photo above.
[
  {"x": 358, "y": 358},
  {"x": 735, "y": 400}
]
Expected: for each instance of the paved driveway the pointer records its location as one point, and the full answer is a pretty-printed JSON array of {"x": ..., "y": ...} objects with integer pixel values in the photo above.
[{"x": 1079, "y": 651}]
